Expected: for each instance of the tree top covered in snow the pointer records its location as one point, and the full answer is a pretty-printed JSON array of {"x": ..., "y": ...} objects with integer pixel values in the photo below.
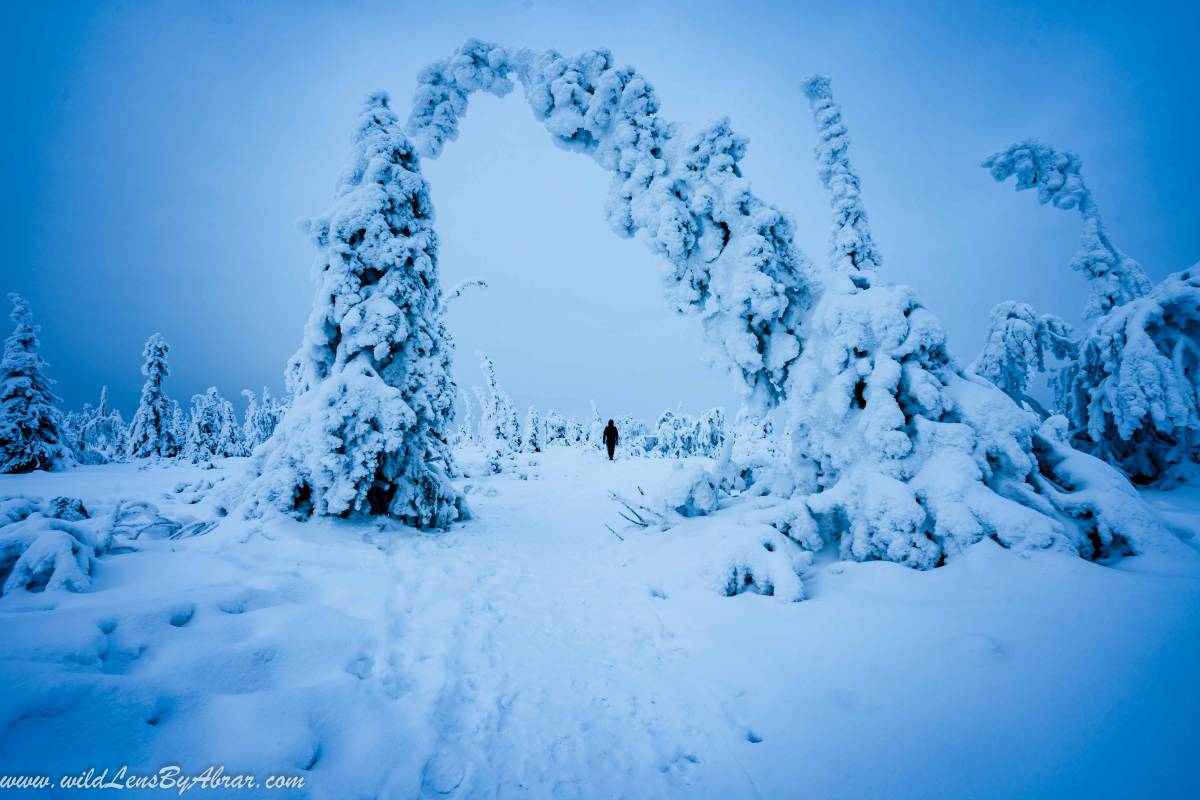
[
  {"x": 732, "y": 256},
  {"x": 1057, "y": 175}
]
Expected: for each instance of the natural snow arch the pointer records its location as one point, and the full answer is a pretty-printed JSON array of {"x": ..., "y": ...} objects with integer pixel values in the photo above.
[
  {"x": 732, "y": 259},
  {"x": 895, "y": 452}
]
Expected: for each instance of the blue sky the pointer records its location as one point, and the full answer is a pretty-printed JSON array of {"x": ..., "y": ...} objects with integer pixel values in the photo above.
[{"x": 156, "y": 156}]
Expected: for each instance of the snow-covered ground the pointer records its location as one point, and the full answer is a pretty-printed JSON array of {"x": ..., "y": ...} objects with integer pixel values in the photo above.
[{"x": 532, "y": 653}]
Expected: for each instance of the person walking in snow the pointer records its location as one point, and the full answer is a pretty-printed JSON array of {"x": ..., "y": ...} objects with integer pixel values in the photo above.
[{"x": 610, "y": 439}]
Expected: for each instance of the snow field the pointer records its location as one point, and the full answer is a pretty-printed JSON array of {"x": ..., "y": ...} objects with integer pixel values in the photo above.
[{"x": 531, "y": 653}]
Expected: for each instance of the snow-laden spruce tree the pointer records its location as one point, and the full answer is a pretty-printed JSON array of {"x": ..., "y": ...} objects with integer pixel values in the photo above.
[
  {"x": 1017, "y": 348},
  {"x": 213, "y": 430},
  {"x": 30, "y": 423},
  {"x": 499, "y": 419},
  {"x": 895, "y": 453},
  {"x": 531, "y": 438},
  {"x": 1132, "y": 393},
  {"x": 372, "y": 389},
  {"x": 152, "y": 432}
]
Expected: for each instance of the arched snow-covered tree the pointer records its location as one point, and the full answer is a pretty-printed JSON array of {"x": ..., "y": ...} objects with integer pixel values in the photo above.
[
  {"x": 151, "y": 433},
  {"x": 30, "y": 423},
  {"x": 1132, "y": 394},
  {"x": 895, "y": 453},
  {"x": 1017, "y": 347},
  {"x": 1113, "y": 277},
  {"x": 373, "y": 394},
  {"x": 732, "y": 258}
]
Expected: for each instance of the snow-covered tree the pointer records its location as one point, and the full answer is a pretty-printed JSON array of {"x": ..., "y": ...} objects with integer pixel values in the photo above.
[
  {"x": 633, "y": 436},
  {"x": 557, "y": 431},
  {"x": 1018, "y": 345},
  {"x": 531, "y": 438},
  {"x": 500, "y": 417},
  {"x": 1113, "y": 277},
  {"x": 179, "y": 428},
  {"x": 667, "y": 435},
  {"x": 30, "y": 423},
  {"x": 712, "y": 435},
  {"x": 594, "y": 433},
  {"x": 213, "y": 430},
  {"x": 151, "y": 433},
  {"x": 261, "y": 417},
  {"x": 1132, "y": 394},
  {"x": 98, "y": 434},
  {"x": 851, "y": 245},
  {"x": 466, "y": 428},
  {"x": 71, "y": 431},
  {"x": 732, "y": 258},
  {"x": 373, "y": 393},
  {"x": 895, "y": 453}
]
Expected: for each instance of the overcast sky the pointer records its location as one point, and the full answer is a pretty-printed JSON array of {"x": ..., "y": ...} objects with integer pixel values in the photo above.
[{"x": 155, "y": 158}]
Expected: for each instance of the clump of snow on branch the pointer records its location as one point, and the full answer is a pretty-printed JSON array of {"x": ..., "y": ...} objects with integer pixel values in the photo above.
[
  {"x": 732, "y": 258},
  {"x": 851, "y": 245},
  {"x": 1018, "y": 345},
  {"x": 30, "y": 424},
  {"x": 1113, "y": 277},
  {"x": 373, "y": 394}
]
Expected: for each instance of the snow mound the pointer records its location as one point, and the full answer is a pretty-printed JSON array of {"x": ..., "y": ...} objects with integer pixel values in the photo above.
[{"x": 54, "y": 543}]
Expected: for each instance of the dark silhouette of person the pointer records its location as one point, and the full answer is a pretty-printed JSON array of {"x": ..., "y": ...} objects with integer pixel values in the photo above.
[{"x": 610, "y": 439}]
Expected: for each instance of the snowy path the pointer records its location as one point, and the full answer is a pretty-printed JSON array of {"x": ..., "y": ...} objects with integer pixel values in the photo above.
[{"x": 530, "y": 653}]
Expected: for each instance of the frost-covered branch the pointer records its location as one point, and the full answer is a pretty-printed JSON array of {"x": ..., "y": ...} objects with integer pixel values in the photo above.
[
  {"x": 461, "y": 288},
  {"x": 1114, "y": 278}
]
